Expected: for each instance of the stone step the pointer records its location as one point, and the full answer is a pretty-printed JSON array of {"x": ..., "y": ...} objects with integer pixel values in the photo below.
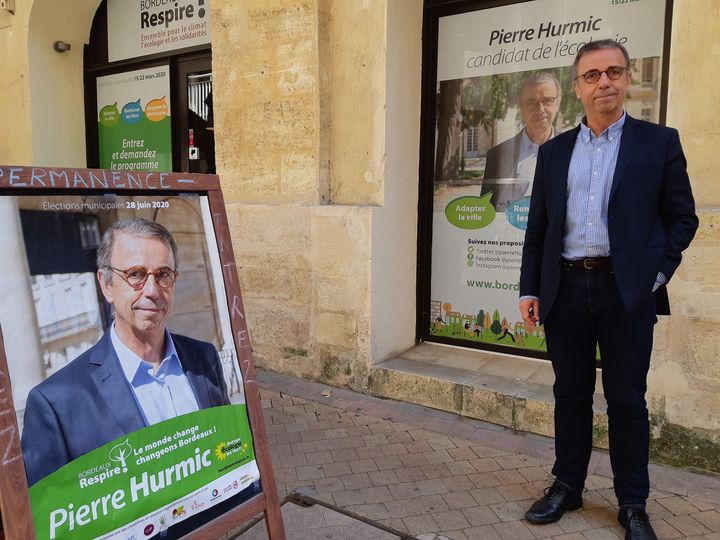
[{"x": 510, "y": 391}]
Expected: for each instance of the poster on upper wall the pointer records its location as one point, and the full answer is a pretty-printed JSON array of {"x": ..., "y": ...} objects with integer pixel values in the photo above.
[
  {"x": 117, "y": 441},
  {"x": 141, "y": 27},
  {"x": 505, "y": 86},
  {"x": 134, "y": 125}
]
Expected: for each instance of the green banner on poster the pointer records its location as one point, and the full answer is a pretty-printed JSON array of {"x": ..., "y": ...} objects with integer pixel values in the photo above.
[
  {"x": 144, "y": 482},
  {"x": 134, "y": 125}
]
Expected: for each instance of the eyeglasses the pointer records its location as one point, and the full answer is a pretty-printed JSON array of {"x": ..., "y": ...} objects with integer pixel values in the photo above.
[
  {"x": 137, "y": 276},
  {"x": 613, "y": 73},
  {"x": 545, "y": 102}
]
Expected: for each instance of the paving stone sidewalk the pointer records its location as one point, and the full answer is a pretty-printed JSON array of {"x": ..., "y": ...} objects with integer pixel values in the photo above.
[{"x": 427, "y": 473}]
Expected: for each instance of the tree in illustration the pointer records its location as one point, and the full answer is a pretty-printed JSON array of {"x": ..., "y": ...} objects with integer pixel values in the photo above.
[
  {"x": 449, "y": 130},
  {"x": 479, "y": 322},
  {"x": 496, "y": 326},
  {"x": 485, "y": 99},
  {"x": 487, "y": 322}
]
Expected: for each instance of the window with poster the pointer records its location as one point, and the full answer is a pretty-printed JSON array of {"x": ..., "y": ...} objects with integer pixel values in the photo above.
[
  {"x": 148, "y": 88},
  {"x": 497, "y": 83}
]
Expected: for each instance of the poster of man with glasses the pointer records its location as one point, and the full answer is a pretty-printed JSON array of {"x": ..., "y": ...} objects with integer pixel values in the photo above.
[
  {"x": 504, "y": 87},
  {"x": 138, "y": 373},
  {"x": 539, "y": 102},
  {"x": 131, "y": 408}
]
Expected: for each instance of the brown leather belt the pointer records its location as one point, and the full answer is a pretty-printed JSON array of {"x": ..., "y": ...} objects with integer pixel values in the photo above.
[{"x": 591, "y": 263}]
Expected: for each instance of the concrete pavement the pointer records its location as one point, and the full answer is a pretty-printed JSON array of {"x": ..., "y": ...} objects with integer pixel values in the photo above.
[{"x": 425, "y": 473}]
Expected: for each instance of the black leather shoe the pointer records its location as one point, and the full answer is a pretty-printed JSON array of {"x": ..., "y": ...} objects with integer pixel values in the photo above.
[
  {"x": 558, "y": 499},
  {"x": 636, "y": 523}
]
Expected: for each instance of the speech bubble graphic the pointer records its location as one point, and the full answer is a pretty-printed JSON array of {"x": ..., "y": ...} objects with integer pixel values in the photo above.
[
  {"x": 156, "y": 110},
  {"x": 109, "y": 115},
  {"x": 132, "y": 112},
  {"x": 517, "y": 212},
  {"x": 471, "y": 212}
]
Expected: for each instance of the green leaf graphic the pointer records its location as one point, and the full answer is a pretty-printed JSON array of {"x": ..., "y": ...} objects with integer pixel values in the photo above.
[{"x": 120, "y": 451}]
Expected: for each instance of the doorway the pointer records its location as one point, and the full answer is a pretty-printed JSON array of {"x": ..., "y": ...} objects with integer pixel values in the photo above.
[
  {"x": 160, "y": 105},
  {"x": 197, "y": 137}
]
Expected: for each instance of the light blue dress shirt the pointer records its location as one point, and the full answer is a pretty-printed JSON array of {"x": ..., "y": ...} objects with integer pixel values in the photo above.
[
  {"x": 590, "y": 177},
  {"x": 160, "y": 396},
  {"x": 527, "y": 156}
]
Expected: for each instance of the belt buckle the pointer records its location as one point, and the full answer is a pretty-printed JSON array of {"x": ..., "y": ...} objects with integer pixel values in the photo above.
[{"x": 587, "y": 264}]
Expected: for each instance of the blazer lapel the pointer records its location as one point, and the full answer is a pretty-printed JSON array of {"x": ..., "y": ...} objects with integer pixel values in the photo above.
[
  {"x": 113, "y": 387},
  {"x": 561, "y": 169},
  {"x": 198, "y": 381},
  {"x": 517, "y": 143},
  {"x": 628, "y": 143}
]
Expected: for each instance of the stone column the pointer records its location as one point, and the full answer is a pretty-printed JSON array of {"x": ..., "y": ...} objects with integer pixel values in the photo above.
[
  {"x": 17, "y": 308},
  {"x": 228, "y": 343}
]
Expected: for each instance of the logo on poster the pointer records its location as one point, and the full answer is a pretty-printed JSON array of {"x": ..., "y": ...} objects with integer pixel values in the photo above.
[
  {"x": 176, "y": 12},
  {"x": 178, "y": 512},
  {"x": 119, "y": 452},
  {"x": 104, "y": 471}
]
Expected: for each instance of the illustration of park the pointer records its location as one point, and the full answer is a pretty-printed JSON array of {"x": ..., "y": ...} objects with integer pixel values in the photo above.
[{"x": 485, "y": 326}]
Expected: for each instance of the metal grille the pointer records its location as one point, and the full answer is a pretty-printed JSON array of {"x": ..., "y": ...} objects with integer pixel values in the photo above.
[{"x": 199, "y": 88}]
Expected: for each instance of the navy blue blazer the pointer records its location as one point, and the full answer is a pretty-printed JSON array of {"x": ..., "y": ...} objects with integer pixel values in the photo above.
[
  {"x": 651, "y": 217},
  {"x": 89, "y": 403}
]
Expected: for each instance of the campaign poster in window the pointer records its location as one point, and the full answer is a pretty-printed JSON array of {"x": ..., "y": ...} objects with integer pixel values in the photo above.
[
  {"x": 134, "y": 124},
  {"x": 504, "y": 87}
]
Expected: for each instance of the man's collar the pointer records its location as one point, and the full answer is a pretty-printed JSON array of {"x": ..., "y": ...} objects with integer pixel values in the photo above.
[
  {"x": 527, "y": 142},
  {"x": 131, "y": 362},
  {"x": 611, "y": 132}
]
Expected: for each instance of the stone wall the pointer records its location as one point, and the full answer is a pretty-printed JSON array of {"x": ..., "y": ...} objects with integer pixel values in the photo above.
[
  {"x": 684, "y": 381},
  {"x": 15, "y": 129},
  {"x": 299, "y": 98},
  {"x": 41, "y": 91}
]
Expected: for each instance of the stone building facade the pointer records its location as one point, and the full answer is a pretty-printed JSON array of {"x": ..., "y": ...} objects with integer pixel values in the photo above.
[{"x": 317, "y": 123}]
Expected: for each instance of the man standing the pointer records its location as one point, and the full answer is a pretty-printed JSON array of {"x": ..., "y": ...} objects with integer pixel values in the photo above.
[
  {"x": 539, "y": 103},
  {"x": 610, "y": 214}
]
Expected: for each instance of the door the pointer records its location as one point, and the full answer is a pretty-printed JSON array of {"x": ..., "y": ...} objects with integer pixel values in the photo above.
[{"x": 195, "y": 111}]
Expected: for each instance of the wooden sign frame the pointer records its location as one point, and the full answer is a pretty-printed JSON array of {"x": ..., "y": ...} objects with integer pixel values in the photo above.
[{"x": 15, "y": 507}]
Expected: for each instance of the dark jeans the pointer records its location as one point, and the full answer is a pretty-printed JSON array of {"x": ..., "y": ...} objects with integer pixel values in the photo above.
[{"x": 588, "y": 310}]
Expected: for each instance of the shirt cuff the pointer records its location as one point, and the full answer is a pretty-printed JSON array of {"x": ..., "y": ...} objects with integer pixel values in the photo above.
[
  {"x": 529, "y": 297},
  {"x": 659, "y": 280}
]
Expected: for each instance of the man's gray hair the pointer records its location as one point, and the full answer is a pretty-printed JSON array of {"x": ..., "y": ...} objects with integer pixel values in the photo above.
[
  {"x": 600, "y": 44},
  {"x": 540, "y": 78},
  {"x": 138, "y": 227}
]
